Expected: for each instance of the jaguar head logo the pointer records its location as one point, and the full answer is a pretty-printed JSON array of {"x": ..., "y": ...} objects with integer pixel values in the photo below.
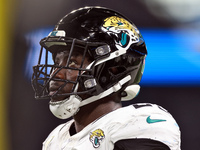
[
  {"x": 122, "y": 31},
  {"x": 96, "y": 137}
]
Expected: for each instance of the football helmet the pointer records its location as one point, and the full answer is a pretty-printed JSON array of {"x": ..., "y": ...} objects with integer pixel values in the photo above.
[{"x": 111, "y": 41}]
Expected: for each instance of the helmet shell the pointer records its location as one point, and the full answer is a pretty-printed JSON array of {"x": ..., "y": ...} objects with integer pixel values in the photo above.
[{"x": 99, "y": 24}]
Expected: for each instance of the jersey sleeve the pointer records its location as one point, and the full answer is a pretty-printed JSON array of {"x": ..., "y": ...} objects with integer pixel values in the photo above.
[
  {"x": 47, "y": 143},
  {"x": 51, "y": 142},
  {"x": 146, "y": 121}
]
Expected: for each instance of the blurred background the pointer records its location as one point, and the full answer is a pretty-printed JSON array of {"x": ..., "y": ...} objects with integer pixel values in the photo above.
[{"x": 171, "y": 78}]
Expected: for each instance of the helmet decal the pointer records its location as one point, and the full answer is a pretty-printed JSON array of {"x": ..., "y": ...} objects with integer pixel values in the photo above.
[{"x": 123, "y": 31}]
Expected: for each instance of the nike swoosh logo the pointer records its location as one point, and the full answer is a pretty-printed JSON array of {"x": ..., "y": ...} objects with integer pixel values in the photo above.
[{"x": 149, "y": 120}]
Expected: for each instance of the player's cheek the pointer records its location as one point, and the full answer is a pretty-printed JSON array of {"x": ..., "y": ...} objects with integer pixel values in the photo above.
[{"x": 72, "y": 75}]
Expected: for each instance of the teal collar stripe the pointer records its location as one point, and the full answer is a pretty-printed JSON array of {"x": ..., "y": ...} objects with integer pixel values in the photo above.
[{"x": 149, "y": 120}]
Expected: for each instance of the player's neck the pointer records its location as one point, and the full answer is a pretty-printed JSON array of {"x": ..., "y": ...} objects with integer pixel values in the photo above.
[{"x": 93, "y": 111}]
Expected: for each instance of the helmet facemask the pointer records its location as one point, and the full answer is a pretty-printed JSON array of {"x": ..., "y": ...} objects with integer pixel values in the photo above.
[{"x": 43, "y": 75}]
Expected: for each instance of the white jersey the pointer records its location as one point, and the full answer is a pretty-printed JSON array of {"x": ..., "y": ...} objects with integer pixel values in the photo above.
[{"x": 138, "y": 121}]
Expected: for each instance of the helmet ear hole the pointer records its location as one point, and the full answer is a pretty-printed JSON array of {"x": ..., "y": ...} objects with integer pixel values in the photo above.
[{"x": 117, "y": 70}]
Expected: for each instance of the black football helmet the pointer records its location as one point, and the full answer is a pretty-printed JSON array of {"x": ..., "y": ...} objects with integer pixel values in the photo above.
[{"x": 110, "y": 40}]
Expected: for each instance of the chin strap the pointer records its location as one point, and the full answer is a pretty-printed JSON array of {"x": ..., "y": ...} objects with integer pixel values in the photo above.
[
  {"x": 66, "y": 108},
  {"x": 70, "y": 106}
]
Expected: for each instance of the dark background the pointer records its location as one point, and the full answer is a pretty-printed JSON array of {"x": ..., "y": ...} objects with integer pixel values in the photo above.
[{"x": 31, "y": 121}]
